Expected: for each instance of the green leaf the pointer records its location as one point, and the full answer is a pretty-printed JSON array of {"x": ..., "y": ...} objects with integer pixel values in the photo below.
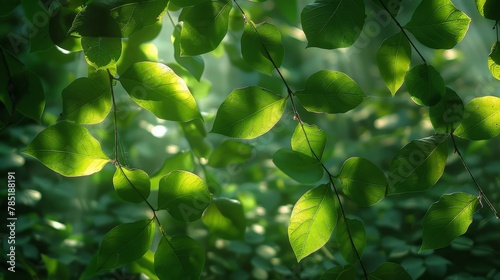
[
  {"x": 9, "y": 65},
  {"x": 446, "y": 219},
  {"x": 184, "y": 3},
  {"x": 195, "y": 133},
  {"x": 102, "y": 52},
  {"x": 59, "y": 25},
  {"x": 438, "y": 24},
  {"x": 447, "y": 113},
  {"x": 300, "y": 167},
  {"x": 86, "y": 101},
  {"x": 425, "y": 85},
  {"x": 68, "y": 149},
  {"x": 316, "y": 140},
  {"x": 389, "y": 271},
  {"x": 180, "y": 161},
  {"x": 179, "y": 257},
  {"x": 156, "y": 88},
  {"x": 346, "y": 272},
  {"x": 494, "y": 60},
  {"x": 313, "y": 220},
  {"x": 261, "y": 45},
  {"x": 194, "y": 64},
  {"x": 248, "y": 113},
  {"x": 347, "y": 229},
  {"x": 125, "y": 243},
  {"x": 95, "y": 20},
  {"x": 334, "y": 23},
  {"x": 134, "y": 16},
  {"x": 419, "y": 164},
  {"x": 230, "y": 152},
  {"x": 205, "y": 25},
  {"x": 131, "y": 185},
  {"x": 330, "y": 92},
  {"x": 489, "y": 9},
  {"x": 363, "y": 181},
  {"x": 392, "y": 5},
  {"x": 393, "y": 60},
  {"x": 27, "y": 94},
  {"x": 225, "y": 218},
  {"x": 481, "y": 119},
  {"x": 184, "y": 195}
]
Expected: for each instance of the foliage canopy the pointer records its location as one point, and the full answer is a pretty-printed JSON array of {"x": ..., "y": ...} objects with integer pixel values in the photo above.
[{"x": 257, "y": 139}]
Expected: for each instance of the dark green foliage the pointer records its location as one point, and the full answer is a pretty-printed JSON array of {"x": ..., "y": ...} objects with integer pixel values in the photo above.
[{"x": 333, "y": 175}]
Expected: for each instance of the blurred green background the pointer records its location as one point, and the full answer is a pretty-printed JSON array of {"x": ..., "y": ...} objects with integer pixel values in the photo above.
[{"x": 61, "y": 221}]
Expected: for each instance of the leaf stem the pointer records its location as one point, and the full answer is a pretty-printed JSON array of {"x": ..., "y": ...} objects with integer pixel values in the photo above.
[
  {"x": 115, "y": 118},
  {"x": 297, "y": 117},
  {"x": 403, "y": 31},
  {"x": 482, "y": 195}
]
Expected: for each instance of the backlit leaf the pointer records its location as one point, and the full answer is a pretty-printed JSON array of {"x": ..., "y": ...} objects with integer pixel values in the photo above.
[
  {"x": 438, "y": 24},
  {"x": 95, "y": 20},
  {"x": 225, "y": 218},
  {"x": 419, "y": 164},
  {"x": 102, "y": 52},
  {"x": 363, "y": 181},
  {"x": 389, "y": 271},
  {"x": 489, "y": 9},
  {"x": 194, "y": 64},
  {"x": 180, "y": 161},
  {"x": 248, "y": 113},
  {"x": 205, "y": 25},
  {"x": 300, "y": 167},
  {"x": 125, "y": 243},
  {"x": 68, "y": 149},
  {"x": 481, "y": 119},
  {"x": 156, "y": 88},
  {"x": 230, "y": 152},
  {"x": 260, "y": 41},
  {"x": 446, "y": 219},
  {"x": 86, "y": 101},
  {"x": 134, "y": 16},
  {"x": 313, "y": 220},
  {"x": 494, "y": 60},
  {"x": 447, "y": 113},
  {"x": 179, "y": 257},
  {"x": 184, "y": 195},
  {"x": 131, "y": 185},
  {"x": 330, "y": 92},
  {"x": 425, "y": 85},
  {"x": 393, "y": 60},
  {"x": 356, "y": 231},
  {"x": 316, "y": 140},
  {"x": 334, "y": 23}
]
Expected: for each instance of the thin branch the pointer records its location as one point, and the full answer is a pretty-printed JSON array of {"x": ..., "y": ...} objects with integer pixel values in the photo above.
[
  {"x": 482, "y": 195},
  {"x": 403, "y": 30},
  {"x": 497, "y": 26},
  {"x": 297, "y": 117},
  {"x": 119, "y": 166},
  {"x": 115, "y": 118}
]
